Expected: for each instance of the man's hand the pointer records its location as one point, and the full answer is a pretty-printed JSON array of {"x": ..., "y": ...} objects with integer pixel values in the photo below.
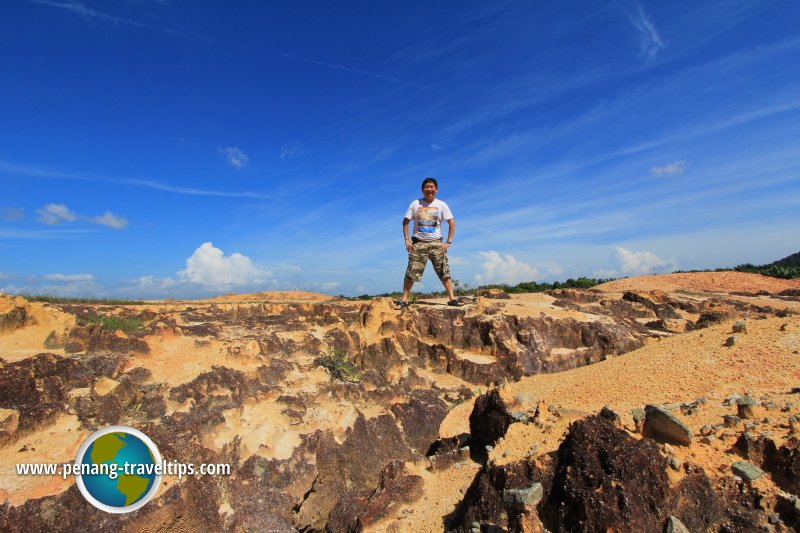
[
  {"x": 444, "y": 246},
  {"x": 409, "y": 246}
]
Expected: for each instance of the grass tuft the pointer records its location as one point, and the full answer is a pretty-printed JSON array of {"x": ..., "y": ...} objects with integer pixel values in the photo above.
[{"x": 339, "y": 365}]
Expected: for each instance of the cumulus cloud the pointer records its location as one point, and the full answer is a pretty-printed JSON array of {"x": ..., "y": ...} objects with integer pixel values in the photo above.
[
  {"x": 55, "y": 214},
  {"x": 208, "y": 266},
  {"x": 671, "y": 169},
  {"x": 69, "y": 278},
  {"x": 505, "y": 269},
  {"x": 649, "y": 40},
  {"x": 12, "y": 213},
  {"x": 235, "y": 156},
  {"x": 290, "y": 149},
  {"x": 641, "y": 263},
  {"x": 111, "y": 220}
]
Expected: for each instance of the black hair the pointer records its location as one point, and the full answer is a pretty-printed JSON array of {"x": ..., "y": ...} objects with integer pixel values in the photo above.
[{"x": 430, "y": 180}]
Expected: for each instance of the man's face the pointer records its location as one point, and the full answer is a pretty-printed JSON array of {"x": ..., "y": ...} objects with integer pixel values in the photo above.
[{"x": 429, "y": 191}]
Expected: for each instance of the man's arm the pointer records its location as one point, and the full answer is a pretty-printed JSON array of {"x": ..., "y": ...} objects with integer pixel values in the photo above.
[
  {"x": 409, "y": 244},
  {"x": 451, "y": 230}
]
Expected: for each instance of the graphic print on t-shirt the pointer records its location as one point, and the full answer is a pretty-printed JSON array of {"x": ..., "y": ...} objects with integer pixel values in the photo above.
[{"x": 427, "y": 219}]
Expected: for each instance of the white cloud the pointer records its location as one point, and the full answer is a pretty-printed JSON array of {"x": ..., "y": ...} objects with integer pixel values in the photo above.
[
  {"x": 208, "y": 266},
  {"x": 325, "y": 286},
  {"x": 641, "y": 263},
  {"x": 605, "y": 273},
  {"x": 290, "y": 149},
  {"x": 111, "y": 220},
  {"x": 649, "y": 40},
  {"x": 69, "y": 278},
  {"x": 55, "y": 214},
  {"x": 436, "y": 147},
  {"x": 235, "y": 156},
  {"x": 671, "y": 169},
  {"x": 505, "y": 269},
  {"x": 555, "y": 269}
]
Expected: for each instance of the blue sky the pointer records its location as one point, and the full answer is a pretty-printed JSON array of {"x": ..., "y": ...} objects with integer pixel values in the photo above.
[{"x": 183, "y": 149}]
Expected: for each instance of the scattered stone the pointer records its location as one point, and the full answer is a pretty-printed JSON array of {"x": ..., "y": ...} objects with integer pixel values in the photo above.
[
  {"x": 775, "y": 519},
  {"x": 104, "y": 386},
  {"x": 730, "y": 399},
  {"x": 749, "y": 426},
  {"x": 638, "y": 418},
  {"x": 795, "y": 390},
  {"x": 674, "y": 525},
  {"x": 489, "y": 448},
  {"x": 663, "y": 426},
  {"x": 787, "y": 407},
  {"x": 675, "y": 463},
  {"x": 747, "y": 470},
  {"x": 731, "y": 341},
  {"x": 520, "y": 416},
  {"x": 739, "y": 327},
  {"x": 708, "y": 439},
  {"x": 746, "y": 407},
  {"x": 668, "y": 449},
  {"x": 731, "y": 421},
  {"x": 706, "y": 430},
  {"x": 525, "y": 497}
]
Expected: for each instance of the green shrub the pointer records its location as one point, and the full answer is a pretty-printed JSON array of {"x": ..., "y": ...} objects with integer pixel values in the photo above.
[
  {"x": 113, "y": 323},
  {"x": 339, "y": 365}
]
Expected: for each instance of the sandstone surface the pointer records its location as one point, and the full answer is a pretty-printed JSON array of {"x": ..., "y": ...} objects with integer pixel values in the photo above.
[{"x": 452, "y": 417}]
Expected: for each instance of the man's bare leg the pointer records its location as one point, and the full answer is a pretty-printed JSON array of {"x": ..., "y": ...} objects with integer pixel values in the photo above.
[
  {"x": 407, "y": 284},
  {"x": 448, "y": 285}
]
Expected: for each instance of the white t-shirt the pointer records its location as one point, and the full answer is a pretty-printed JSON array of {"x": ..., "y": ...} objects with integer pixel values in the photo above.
[{"x": 428, "y": 217}]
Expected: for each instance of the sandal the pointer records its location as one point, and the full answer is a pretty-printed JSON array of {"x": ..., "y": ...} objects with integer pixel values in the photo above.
[
  {"x": 455, "y": 303},
  {"x": 401, "y": 305}
]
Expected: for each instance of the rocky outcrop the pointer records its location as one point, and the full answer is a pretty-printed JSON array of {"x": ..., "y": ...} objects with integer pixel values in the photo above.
[{"x": 602, "y": 479}]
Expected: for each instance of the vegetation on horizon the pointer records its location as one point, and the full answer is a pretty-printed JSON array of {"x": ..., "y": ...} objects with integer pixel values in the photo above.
[
  {"x": 786, "y": 268},
  {"x": 465, "y": 289},
  {"x": 51, "y": 298}
]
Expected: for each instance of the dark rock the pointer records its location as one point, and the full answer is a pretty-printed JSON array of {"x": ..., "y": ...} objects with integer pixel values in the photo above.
[
  {"x": 16, "y": 318},
  {"x": 751, "y": 447},
  {"x": 489, "y": 419},
  {"x": 420, "y": 418},
  {"x": 663, "y": 426},
  {"x": 731, "y": 421},
  {"x": 710, "y": 318},
  {"x": 353, "y": 466},
  {"x": 609, "y": 414},
  {"x": 359, "y": 509},
  {"x": 746, "y": 407},
  {"x": 495, "y": 294}
]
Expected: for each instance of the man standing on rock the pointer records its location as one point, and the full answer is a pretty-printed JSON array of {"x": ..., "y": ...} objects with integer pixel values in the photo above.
[{"x": 426, "y": 242}]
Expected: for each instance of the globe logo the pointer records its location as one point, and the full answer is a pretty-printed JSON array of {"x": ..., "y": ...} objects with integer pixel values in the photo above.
[{"x": 118, "y": 469}]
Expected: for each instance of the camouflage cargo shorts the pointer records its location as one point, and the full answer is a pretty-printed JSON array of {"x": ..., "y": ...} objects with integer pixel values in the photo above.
[{"x": 418, "y": 258}]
